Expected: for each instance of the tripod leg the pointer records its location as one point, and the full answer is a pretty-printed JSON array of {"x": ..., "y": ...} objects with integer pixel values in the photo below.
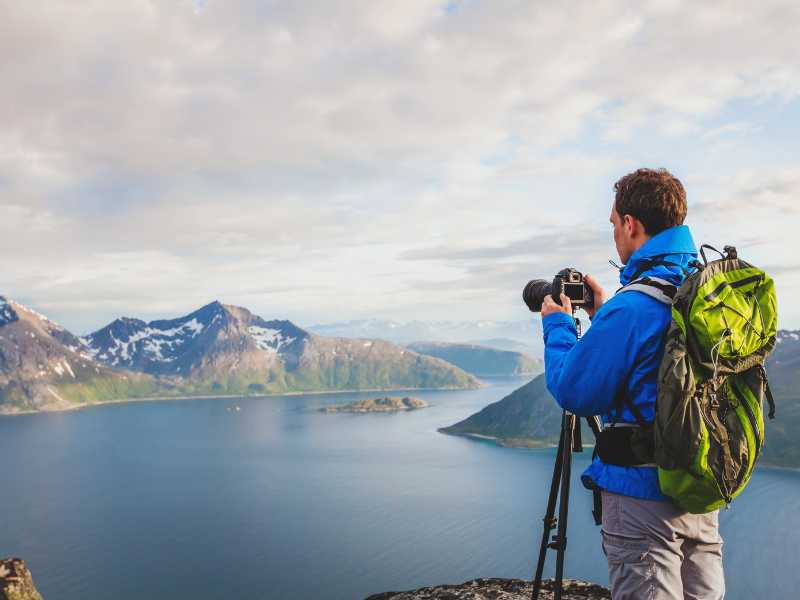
[
  {"x": 563, "y": 502},
  {"x": 549, "y": 520}
]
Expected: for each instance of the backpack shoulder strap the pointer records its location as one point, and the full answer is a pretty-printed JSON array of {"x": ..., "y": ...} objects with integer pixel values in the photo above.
[{"x": 660, "y": 289}]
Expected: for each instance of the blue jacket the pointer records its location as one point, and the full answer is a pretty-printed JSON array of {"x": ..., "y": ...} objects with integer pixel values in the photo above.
[{"x": 621, "y": 350}]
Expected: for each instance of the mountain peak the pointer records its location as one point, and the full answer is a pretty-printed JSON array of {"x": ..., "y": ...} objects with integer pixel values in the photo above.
[
  {"x": 7, "y": 313},
  {"x": 11, "y": 311}
]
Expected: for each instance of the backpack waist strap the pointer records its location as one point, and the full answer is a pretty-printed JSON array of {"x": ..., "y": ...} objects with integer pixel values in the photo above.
[{"x": 626, "y": 445}]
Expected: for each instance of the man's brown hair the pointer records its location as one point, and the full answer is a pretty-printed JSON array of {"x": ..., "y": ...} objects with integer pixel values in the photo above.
[{"x": 653, "y": 196}]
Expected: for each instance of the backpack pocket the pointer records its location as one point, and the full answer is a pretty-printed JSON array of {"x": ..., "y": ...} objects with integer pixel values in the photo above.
[{"x": 733, "y": 314}]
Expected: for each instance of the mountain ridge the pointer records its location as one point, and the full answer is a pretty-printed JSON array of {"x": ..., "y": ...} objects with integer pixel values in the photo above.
[
  {"x": 218, "y": 349},
  {"x": 481, "y": 361}
]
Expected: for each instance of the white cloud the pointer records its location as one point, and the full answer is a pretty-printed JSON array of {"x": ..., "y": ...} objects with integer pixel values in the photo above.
[{"x": 154, "y": 155}]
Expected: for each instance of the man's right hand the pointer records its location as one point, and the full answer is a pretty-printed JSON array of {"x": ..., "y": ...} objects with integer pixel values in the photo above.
[{"x": 599, "y": 295}]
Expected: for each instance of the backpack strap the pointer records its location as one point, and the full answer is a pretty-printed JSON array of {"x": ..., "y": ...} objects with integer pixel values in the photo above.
[
  {"x": 655, "y": 287},
  {"x": 663, "y": 291}
]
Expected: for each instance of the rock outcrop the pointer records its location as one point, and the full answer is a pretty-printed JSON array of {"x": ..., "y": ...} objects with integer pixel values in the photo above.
[
  {"x": 499, "y": 589},
  {"x": 16, "y": 582},
  {"x": 385, "y": 404}
]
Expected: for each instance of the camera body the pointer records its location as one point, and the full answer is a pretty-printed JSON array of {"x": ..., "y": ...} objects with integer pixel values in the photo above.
[
  {"x": 570, "y": 282},
  {"x": 567, "y": 281}
]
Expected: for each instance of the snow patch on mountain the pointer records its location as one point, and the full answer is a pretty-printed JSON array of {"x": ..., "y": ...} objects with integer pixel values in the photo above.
[
  {"x": 268, "y": 339},
  {"x": 7, "y": 314},
  {"x": 152, "y": 341},
  {"x": 62, "y": 367}
]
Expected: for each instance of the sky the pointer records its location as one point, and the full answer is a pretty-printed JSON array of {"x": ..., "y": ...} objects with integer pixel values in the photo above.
[{"x": 329, "y": 160}]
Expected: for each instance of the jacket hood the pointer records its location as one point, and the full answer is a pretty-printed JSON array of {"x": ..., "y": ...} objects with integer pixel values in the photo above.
[{"x": 675, "y": 245}]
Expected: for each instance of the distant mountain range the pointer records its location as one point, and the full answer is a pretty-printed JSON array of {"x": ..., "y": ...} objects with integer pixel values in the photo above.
[
  {"x": 520, "y": 336},
  {"x": 530, "y": 416},
  {"x": 481, "y": 360},
  {"x": 216, "y": 350}
]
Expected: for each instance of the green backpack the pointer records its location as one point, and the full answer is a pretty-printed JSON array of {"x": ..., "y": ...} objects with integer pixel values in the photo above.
[{"x": 709, "y": 423}]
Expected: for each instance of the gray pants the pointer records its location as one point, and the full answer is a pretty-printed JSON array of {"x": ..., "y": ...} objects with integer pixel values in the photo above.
[{"x": 656, "y": 551}]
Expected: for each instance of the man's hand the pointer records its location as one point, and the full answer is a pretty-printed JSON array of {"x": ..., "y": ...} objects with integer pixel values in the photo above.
[
  {"x": 549, "y": 305},
  {"x": 599, "y": 295}
]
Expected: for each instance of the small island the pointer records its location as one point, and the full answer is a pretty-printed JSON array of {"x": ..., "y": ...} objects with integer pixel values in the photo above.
[{"x": 384, "y": 404}]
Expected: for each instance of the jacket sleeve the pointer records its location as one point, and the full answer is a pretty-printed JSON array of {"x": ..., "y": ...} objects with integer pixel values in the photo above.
[{"x": 584, "y": 375}]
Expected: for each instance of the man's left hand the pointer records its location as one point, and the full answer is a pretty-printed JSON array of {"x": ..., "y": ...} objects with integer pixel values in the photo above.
[{"x": 549, "y": 305}]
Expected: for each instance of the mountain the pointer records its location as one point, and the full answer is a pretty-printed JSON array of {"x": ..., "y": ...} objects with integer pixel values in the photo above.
[
  {"x": 480, "y": 360},
  {"x": 224, "y": 349},
  {"x": 530, "y": 417},
  {"x": 782, "y": 445},
  {"x": 43, "y": 366},
  {"x": 527, "y": 417},
  {"x": 526, "y": 333},
  {"x": 505, "y": 344}
]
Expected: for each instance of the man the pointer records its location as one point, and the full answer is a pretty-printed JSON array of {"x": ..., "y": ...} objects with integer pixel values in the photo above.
[{"x": 654, "y": 549}]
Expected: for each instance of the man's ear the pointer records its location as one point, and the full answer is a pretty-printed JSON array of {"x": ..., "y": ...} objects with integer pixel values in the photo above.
[
  {"x": 633, "y": 226},
  {"x": 629, "y": 224}
]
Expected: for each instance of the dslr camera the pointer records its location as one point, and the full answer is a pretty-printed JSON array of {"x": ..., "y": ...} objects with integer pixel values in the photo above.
[{"x": 567, "y": 281}]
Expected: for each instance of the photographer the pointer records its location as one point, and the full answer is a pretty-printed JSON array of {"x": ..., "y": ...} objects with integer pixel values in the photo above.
[{"x": 654, "y": 549}]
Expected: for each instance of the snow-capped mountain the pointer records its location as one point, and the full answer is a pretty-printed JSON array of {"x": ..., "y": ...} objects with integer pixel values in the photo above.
[
  {"x": 218, "y": 349},
  {"x": 227, "y": 349},
  {"x": 183, "y": 345},
  {"x": 42, "y": 365}
]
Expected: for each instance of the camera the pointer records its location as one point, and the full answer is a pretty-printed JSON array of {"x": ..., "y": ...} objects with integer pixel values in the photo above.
[{"x": 567, "y": 281}]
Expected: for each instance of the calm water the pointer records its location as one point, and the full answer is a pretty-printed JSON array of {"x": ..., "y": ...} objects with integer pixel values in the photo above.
[{"x": 184, "y": 499}]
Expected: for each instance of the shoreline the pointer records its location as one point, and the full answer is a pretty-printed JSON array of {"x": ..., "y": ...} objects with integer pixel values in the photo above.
[{"x": 231, "y": 396}]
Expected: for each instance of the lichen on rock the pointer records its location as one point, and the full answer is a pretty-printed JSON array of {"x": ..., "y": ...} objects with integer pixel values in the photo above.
[{"x": 16, "y": 582}]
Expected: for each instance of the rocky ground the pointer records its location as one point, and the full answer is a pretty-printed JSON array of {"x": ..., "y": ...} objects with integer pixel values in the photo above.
[
  {"x": 15, "y": 581},
  {"x": 499, "y": 589}
]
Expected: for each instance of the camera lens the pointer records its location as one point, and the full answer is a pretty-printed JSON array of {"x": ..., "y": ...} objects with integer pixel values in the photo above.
[{"x": 535, "y": 292}]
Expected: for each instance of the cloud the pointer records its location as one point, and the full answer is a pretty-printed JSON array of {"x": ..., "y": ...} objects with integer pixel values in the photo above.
[
  {"x": 153, "y": 155},
  {"x": 755, "y": 192},
  {"x": 566, "y": 241}
]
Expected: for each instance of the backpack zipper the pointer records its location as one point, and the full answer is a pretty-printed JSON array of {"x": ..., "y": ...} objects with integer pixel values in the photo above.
[{"x": 735, "y": 284}]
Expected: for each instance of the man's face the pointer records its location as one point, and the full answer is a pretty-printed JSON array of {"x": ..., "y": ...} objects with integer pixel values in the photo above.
[{"x": 622, "y": 238}]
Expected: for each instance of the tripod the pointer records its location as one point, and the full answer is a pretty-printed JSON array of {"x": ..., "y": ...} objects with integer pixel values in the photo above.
[{"x": 568, "y": 442}]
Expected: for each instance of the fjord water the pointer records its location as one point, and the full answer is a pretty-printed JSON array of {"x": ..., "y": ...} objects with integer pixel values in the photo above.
[{"x": 188, "y": 499}]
